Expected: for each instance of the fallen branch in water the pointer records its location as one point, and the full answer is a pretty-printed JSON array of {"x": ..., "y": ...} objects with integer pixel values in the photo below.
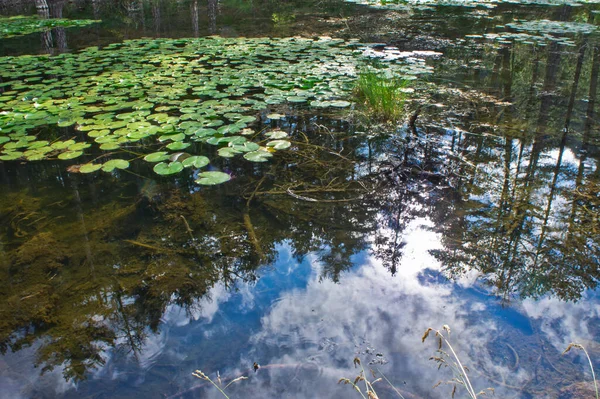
[{"x": 141, "y": 244}]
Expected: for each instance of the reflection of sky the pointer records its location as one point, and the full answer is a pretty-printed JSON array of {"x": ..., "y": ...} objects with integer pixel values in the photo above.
[{"x": 305, "y": 331}]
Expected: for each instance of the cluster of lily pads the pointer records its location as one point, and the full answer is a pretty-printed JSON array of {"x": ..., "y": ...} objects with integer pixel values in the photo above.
[
  {"x": 545, "y": 26},
  {"x": 525, "y": 38},
  {"x": 165, "y": 95},
  {"x": 25, "y": 25},
  {"x": 399, "y": 4},
  {"x": 540, "y": 32}
]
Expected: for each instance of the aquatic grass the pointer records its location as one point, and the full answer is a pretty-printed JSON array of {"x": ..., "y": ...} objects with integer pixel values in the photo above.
[
  {"x": 444, "y": 359},
  {"x": 369, "y": 392},
  {"x": 579, "y": 346},
  {"x": 202, "y": 376},
  {"x": 382, "y": 95}
]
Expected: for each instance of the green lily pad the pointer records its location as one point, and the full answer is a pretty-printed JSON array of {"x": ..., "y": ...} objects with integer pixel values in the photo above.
[
  {"x": 113, "y": 164},
  {"x": 340, "y": 104},
  {"x": 178, "y": 145},
  {"x": 245, "y": 147},
  {"x": 195, "y": 161},
  {"x": 279, "y": 144},
  {"x": 109, "y": 146},
  {"x": 171, "y": 168},
  {"x": 70, "y": 155},
  {"x": 79, "y": 146},
  {"x": 61, "y": 145},
  {"x": 11, "y": 156},
  {"x": 276, "y": 134},
  {"x": 157, "y": 157},
  {"x": 212, "y": 178},
  {"x": 258, "y": 156},
  {"x": 90, "y": 167},
  {"x": 227, "y": 152}
]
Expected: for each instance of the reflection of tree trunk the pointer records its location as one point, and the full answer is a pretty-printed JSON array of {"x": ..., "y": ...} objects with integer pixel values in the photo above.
[
  {"x": 563, "y": 141},
  {"x": 506, "y": 73},
  {"x": 504, "y": 204},
  {"x": 156, "y": 15},
  {"x": 133, "y": 339},
  {"x": 195, "y": 23},
  {"x": 212, "y": 16},
  {"x": 79, "y": 210},
  {"x": 501, "y": 74},
  {"x": 56, "y": 10},
  {"x": 96, "y": 9},
  {"x": 580, "y": 57},
  {"x": 43, "y": 12},
  {"x": 522, "y": 204},
  {"x": 550, "y": 197}
]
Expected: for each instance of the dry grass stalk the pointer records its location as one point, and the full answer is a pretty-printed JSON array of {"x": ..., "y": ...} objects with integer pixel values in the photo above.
[
  {"x": 202, "y": 376},
  {"x": 581, "y": 347},
  {"x": 460, "y": 371}
]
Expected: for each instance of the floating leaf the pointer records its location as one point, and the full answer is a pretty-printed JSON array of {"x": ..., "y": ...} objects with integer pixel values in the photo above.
[
  {"x": 245, "y": 147},
  {"x": 276, "y": 134},
  {"x": 113, "y": 164},
  {"x": 164, "y": 168},
  {"x": 61, "y": 145},
  {"x": 172, "y": 137},
  {"x": 109, "y": 146},
  {"x": 279, "y": 144},
  {"x": 11, "y": 156},
  {"x": 90, "y": 167},
  {"x": 212, "y": 178},
  {"x": 227, "y": 152},
  {"x": 340, "y": 104},
  {"x": 78, "y": 146},
  {"x": 196, "y": 161},
  {"x": 178, "y": 145},
  {"x": 157, "y": 156},
  {"x": 258, "y": 156},
  {"x": 70, "y": 155}
]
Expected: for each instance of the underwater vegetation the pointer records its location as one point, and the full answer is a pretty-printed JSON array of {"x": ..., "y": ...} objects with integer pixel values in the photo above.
[
  {"x": 153, "y": 99},
  {"x": 25, "y": 25}
]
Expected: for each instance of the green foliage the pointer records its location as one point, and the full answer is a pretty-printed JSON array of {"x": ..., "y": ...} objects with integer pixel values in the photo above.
[
  {"x": 382, "y": 95},
  {"x": 171, "y": 93}
]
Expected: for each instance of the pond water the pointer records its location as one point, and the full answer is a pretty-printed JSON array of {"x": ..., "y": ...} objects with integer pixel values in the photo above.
[{"x": 333, "y": 236}]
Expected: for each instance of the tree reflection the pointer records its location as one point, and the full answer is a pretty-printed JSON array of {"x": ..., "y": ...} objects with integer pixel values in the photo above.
[{"x": 104, "y": 276}]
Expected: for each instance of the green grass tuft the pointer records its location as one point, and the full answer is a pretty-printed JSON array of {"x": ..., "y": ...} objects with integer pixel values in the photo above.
[{"x": 382, "y": 95}]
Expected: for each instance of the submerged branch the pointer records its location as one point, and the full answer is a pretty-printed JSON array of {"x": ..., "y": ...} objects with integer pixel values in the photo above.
[{"x": 252, "y": 235}]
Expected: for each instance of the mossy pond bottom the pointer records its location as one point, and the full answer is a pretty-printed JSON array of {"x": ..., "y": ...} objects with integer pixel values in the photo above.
[{"x": 195, "y": 185}]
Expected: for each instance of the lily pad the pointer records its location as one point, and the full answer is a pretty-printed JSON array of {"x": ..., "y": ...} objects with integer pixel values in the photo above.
[
  {"x": 212, "y": 178},
  {"x": 170, "y": 168},
  {"x": 90, "y": 167},
  {"x": 279, "y": 144},
  {"x": 157, "y": 157},
  {"x": 276, "y": 134},
  {"x": 228, "y": 152},
  {"x": 70, "y": 155},
  {"x": 178, "y": 145},
  {"x": 113, "y": 164},
  {"x": 196, "y": 161},
  {"x": 258, "y": 156}
]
